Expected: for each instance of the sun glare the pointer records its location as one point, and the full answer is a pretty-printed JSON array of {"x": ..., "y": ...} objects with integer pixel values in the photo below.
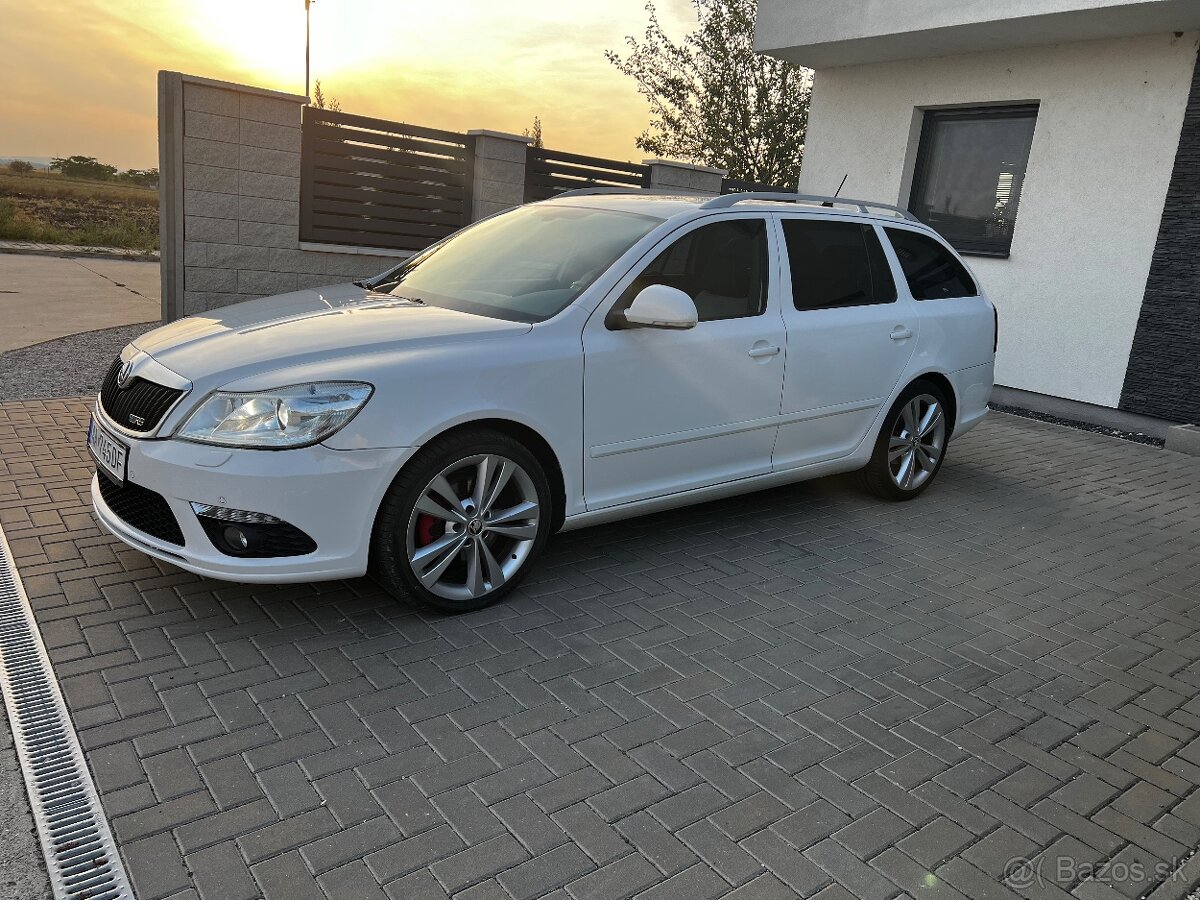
[
  {"x": 265, "y": 38},
  {"x": 261, "y": 37}
]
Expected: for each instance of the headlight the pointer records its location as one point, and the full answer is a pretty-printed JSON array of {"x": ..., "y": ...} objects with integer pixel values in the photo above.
[{"x": 294, "y": 416}]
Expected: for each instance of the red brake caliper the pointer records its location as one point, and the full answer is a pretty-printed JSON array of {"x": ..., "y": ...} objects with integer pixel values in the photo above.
[{"x": 429, "y": 529}]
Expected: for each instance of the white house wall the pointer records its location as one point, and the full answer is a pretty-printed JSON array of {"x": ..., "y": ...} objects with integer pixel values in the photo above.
[
  {"x": 1107, "y": 132},
  {"x": 824, "y": 33}
]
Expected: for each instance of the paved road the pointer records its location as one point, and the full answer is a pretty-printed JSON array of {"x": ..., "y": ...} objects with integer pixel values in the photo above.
[
  {"x": 802, "y": 692},
  {"x": 48, "y": 297}
]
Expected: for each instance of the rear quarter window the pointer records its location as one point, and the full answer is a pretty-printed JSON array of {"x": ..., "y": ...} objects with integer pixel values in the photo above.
[{"x": 932, "y": 271}]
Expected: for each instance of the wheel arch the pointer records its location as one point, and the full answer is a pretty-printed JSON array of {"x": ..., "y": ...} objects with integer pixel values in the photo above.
[
  {"x": 947, "y": 389},
  {"x": 534, "y": 442}
]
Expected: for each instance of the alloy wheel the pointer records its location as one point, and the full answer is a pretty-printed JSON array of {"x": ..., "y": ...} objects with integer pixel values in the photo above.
[
  {"x": 473, "y": 527},
  {"x": 917, "y": 442}
]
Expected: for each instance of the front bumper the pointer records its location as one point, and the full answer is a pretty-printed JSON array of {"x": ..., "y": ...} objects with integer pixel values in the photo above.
[{"x": 331, "y": 495}]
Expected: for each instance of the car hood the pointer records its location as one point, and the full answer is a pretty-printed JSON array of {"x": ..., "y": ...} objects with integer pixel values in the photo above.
[{"x": 308, "y": 326}]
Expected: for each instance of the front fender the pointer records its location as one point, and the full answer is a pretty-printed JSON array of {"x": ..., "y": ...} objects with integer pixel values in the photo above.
[{"x": 536, "y": 383}]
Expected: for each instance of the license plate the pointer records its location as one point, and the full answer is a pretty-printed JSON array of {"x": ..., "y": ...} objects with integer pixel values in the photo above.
[{"x": 109, "y": 453}]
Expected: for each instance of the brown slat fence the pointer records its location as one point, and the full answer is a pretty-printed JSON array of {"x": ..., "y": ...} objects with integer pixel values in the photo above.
[
  {"x": 738, "y": 186},
  {"x": 374, "y": 183},
  {"x": 550, "y": 172}
]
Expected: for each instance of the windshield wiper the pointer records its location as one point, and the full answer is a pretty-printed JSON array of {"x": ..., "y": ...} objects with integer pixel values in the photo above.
[{"x": 381, "y": 287}]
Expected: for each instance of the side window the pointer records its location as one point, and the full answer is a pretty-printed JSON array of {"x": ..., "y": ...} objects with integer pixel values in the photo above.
[
  {"x": 836, "y": 264},
  {"x": 722, "y": 267},
  {"x": 931, "y": 270}
]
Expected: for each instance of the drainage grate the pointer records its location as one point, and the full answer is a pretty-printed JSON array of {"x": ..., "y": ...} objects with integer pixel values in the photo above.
[{"x": 80, "y": 854}]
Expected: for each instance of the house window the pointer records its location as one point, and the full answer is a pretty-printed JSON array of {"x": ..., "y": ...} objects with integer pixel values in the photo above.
[{"x": 970, "y": 169}]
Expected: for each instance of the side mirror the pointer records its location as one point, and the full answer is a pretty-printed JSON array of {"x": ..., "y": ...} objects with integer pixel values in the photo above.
[{"x": 661, "y": 306}]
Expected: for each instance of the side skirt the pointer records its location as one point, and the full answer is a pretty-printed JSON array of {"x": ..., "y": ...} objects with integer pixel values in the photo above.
[{"x": 712, "y": 492}]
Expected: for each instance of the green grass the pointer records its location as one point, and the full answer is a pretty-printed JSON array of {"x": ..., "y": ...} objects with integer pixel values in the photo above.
[{"x": 124, "y": 231}]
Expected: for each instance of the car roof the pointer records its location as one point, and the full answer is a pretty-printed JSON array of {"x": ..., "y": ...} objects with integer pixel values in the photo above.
[
  {"x": 660, "y": 206},
  {"x": 667, "y": 205}
]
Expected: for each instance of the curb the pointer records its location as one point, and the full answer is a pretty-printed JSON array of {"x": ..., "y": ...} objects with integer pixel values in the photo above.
[{"x": 84, "y": 252}]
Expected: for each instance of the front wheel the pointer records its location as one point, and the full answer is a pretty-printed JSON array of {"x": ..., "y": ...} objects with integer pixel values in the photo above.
[
  {"x": 463, "y": 522},
  {"x": 911, "y": 445}
]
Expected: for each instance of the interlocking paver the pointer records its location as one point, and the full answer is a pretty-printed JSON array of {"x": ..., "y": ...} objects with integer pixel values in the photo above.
[
  {"x": 538, "y": 876},
  {"x": 874, "y": 832},
  {"x": 221, "y": 874},
  {"x": 802, "y": 692},
  {"x": 720, "y": 852}
]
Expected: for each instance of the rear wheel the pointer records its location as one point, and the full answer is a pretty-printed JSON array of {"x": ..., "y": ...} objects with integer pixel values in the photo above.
[
  {"x": 911, "y": 445},
  {"x": 463, "y": 522}
]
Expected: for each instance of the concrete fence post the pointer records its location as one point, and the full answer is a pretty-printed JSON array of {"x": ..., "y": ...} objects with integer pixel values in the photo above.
[
  {"x": 499, "y": 172},
  {"x": 666, "y": 174},
  {"x": 229, "y": 158},
  {"x": 170, "y": 193}
]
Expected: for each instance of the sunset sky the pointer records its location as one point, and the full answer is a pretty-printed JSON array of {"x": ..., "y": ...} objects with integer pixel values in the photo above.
[{"x": 79, "y": 75}]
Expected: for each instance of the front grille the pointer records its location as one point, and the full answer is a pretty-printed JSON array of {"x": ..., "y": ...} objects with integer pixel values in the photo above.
[
  {"x": 139, "y": 400},
  {"x": 142, "y": 509}
]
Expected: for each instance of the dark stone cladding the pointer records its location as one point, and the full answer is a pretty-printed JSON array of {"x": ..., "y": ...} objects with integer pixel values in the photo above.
[{"x": 1163, "y": 378}]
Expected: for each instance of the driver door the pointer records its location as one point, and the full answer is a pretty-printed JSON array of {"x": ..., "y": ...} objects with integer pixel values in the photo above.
[{"x": 667, "y": 411}]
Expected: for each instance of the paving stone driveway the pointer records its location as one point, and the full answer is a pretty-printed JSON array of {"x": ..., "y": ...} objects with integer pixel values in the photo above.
[{"x": 802, "y": 692}]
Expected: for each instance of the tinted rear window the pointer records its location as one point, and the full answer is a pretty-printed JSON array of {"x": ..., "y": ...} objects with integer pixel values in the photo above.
[
  {"x": 932, "y": 271},
  {"x": 836, "y": 264}
]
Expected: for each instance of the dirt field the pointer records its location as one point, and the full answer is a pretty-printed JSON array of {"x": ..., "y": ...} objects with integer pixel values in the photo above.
[{"x": 50, "y": 208}]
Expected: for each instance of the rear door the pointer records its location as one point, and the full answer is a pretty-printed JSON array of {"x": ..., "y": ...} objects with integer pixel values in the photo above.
[{"x": 850, "y": 335}]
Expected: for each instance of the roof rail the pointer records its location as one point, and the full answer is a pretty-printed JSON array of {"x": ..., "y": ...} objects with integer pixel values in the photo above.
[{"x": 865, "y": 206}]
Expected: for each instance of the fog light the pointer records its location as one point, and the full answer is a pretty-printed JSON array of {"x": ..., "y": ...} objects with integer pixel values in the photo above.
[
  {"x": 251, "y": 535},
  {"x": 235, "y": 537}
]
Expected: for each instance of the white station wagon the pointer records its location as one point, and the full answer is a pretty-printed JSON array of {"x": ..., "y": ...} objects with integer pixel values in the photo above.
[{"x": 580, "y": 360}]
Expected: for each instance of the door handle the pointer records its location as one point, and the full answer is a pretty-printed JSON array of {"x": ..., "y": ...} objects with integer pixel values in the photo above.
[
  {"x": 900, "y": 333},
  {"x": 757, "y": 352}
]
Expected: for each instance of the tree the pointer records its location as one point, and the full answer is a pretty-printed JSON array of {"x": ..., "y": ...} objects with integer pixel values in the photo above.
[
  {"x": 20, "y": 166},
  {"x": 714, "y": 101},
  {"x": 320, "y": 101},
  {"x": 143, "y": 177},
  {"x": 84, "y": 167},
  {"x": 535, "y": 134}
]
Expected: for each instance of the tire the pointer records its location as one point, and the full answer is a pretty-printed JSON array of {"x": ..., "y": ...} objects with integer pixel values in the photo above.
[
  {"x": 439, "y": 538},
  {"x": 901, "y": 468}
]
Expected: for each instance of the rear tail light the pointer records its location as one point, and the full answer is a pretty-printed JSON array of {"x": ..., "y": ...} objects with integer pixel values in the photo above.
[{"x": 995, "y": 330}]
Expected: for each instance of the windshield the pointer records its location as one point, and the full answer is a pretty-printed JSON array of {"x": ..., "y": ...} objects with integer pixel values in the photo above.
[{"x": 526, "y": 265}]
